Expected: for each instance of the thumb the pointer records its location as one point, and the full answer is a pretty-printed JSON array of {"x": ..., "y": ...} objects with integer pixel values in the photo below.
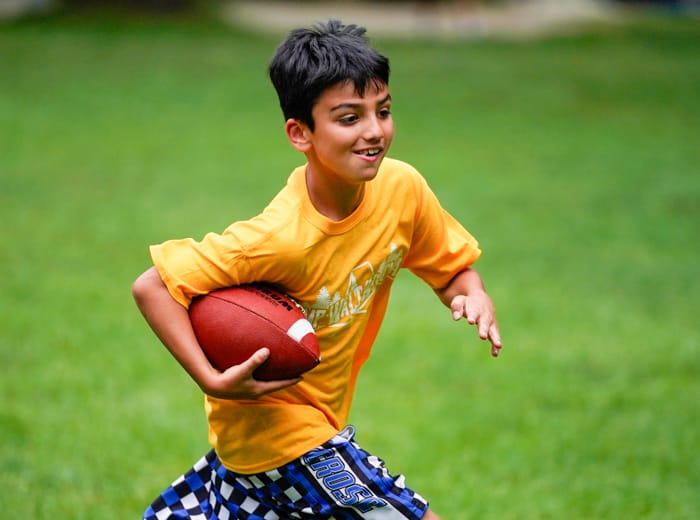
[
  {"x": 457, "y": 306},
  {"x": 258, "y": 358}
]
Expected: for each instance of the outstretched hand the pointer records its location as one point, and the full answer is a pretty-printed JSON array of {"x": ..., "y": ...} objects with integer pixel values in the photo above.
[
  {"x": 478, "y": 310},
  {"x": 238, "y": 382}
]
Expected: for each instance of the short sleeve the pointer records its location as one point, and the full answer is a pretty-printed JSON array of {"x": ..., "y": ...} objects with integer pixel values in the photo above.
[
  {"x": 440, "y": 246},
  {"x": 190, "y": 268}
]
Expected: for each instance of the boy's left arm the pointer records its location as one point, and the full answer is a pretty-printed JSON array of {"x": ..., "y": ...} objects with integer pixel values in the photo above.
[{"x": 466, "y": 297}]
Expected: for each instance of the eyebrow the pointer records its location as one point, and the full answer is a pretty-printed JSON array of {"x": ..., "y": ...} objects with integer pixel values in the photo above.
[{"x": 341, "y": 106}]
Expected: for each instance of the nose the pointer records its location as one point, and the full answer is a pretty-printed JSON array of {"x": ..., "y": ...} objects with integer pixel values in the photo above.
[{"x": 373, "y": 131}]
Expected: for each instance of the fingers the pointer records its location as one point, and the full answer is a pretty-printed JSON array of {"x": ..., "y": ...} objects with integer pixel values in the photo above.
[
  {"x": 472, "y": 310},
  {"x": 479, "y": 312},
  {"x": 238, "y": 382},
  {"x": 266, "y": 387},
  {"x": 495, "y": 338}
]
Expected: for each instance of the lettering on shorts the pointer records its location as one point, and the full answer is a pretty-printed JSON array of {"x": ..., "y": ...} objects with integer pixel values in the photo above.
[{"x": 335, "y": 475}]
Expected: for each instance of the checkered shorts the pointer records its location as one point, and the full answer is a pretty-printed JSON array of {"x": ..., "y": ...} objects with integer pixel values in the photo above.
[{"x": 338, "y": 480}]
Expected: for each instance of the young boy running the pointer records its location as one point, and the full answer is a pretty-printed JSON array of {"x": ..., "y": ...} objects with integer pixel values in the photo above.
[{"x": 333, "y": 238}]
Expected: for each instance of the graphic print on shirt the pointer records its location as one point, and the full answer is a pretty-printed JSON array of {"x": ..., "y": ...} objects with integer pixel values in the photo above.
[{"x": 339, "y": 309}]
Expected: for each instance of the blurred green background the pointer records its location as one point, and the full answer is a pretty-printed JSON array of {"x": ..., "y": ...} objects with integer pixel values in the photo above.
[{"x": 573, "y": 158}]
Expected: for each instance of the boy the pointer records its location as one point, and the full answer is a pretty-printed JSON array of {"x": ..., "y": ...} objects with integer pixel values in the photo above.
[{"x": 334, "y": 239}]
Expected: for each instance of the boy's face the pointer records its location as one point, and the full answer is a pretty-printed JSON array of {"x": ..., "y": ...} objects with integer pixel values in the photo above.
[{"x": 352, "y": 133}]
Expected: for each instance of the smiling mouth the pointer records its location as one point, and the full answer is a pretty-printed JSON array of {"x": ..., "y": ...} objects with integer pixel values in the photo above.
[{"x": 371, "y": 152}]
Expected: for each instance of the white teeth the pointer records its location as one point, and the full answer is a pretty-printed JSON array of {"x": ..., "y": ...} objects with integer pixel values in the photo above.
[{"x": 370, "y": 153}]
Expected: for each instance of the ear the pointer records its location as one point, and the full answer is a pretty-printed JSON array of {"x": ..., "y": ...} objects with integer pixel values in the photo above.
[{"x": 298, "y": 134}]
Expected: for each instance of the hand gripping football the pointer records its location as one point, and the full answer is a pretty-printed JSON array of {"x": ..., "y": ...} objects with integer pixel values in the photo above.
[{"x": 233, "y": 323}]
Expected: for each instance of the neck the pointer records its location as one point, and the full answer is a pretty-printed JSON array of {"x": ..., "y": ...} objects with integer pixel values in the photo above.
[{"x": 335, "y": 201}]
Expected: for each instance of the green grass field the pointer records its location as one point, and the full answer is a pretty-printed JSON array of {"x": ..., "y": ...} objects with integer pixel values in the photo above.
[{"x": 574, "y": 160}]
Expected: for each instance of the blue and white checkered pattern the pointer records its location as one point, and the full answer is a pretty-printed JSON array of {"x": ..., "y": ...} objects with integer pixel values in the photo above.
[{"x": 338, "y": 480}]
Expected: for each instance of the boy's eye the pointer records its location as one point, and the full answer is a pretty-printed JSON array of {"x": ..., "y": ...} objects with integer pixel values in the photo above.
[
  {"x": 384, "y": 112},
  {"x": 349, "y": 119}
]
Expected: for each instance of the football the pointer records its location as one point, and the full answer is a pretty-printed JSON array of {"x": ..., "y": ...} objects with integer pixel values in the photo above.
[{"x": 233, "y": 323}]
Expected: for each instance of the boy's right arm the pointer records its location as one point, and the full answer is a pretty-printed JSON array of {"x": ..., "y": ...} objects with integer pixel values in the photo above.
[{"x": 171, "y": 323}]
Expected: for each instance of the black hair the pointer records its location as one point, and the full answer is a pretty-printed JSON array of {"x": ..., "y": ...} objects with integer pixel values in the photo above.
[{"x": 311, "y": 60}]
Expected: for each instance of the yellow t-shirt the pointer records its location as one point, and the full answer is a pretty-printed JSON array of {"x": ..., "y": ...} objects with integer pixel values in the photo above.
[{"x": 341, "y": 273}]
